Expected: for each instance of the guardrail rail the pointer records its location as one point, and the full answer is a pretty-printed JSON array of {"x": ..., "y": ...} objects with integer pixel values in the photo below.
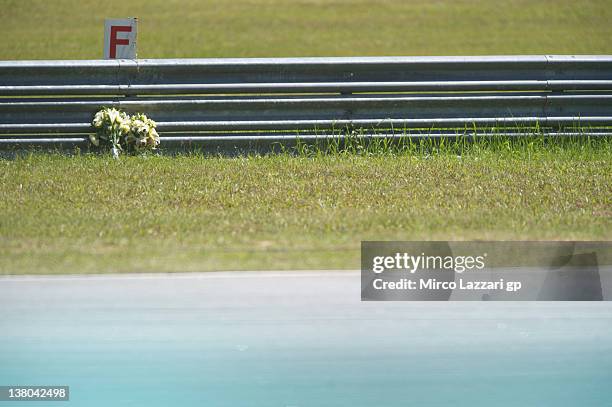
[{"x": 201, "y": 100}]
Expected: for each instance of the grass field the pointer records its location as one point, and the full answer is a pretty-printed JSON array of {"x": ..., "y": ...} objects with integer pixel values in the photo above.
[
  {"x": 64, "y": 29},
  {"x": 95, "y": 214},
  {"x": 86, "y": 214}
]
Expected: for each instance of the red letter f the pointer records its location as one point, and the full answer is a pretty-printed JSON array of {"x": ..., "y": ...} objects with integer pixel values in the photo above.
[{"x": 114, "y": 41}]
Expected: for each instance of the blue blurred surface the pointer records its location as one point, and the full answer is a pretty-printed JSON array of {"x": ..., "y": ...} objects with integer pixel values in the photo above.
[{"x": 294, "y": 339}]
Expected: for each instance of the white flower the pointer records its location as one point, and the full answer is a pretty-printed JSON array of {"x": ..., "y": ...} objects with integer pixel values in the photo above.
[
  {"x": 94, "y": 140},
  {"x": 125, "y": 127},
  {"x": 98, "y": 119},
  {"x": 114, "y": 115}
]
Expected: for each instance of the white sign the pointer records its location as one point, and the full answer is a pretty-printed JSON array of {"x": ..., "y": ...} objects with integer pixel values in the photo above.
[{"x": 120, "y": 38}]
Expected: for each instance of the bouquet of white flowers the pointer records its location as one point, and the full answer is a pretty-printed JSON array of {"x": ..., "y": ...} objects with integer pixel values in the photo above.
[
  {"x": 142, "y": 135},
  {"x": 125, "y": 133}
]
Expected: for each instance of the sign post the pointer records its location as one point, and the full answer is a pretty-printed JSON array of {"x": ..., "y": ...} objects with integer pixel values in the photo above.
[{"x": 120, "y": 38}]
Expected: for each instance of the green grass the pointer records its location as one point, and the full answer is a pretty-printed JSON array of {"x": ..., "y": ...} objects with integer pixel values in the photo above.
[
  {"x": 89, "y": 213},
  {"x": 64, "y": 29}
]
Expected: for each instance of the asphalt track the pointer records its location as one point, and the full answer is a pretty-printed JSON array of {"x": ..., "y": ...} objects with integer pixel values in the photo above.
[{"x": 294, "y": 339}]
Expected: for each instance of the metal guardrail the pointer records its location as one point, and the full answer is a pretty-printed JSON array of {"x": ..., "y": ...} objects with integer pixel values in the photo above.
[{"x": 199, "y": 100}]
